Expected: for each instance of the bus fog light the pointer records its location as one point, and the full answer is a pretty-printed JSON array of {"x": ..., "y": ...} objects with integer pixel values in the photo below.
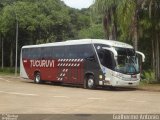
[{"x": 100, "y": 82}]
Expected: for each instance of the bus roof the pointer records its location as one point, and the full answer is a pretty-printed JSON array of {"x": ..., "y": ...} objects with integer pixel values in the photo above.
[{"x": 83, "y": 41}]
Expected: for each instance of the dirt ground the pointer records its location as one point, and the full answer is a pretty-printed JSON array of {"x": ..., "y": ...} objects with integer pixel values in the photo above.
[{"x": 23, "y": 96}]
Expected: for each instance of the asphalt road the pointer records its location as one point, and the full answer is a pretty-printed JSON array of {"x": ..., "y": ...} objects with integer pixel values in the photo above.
[{"x": 19, "y": 96}]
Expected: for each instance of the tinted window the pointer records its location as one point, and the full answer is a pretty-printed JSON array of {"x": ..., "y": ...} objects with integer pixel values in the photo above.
[
  {"x": 31, "y": 53},
  {"x": 35, "y": 53},
  {"x": 106, "y": 59},
  {"x": 58, "y": 52},
  {"x": 46, "y": 52},
  {"x": 79, "y": 51},
  {"x": 62, "y": 52},
  {"x": 24, "y": 53},
  {"x": 125, "y": 51}
]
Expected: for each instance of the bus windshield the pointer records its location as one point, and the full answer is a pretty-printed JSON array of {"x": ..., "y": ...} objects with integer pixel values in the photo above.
[{"x": 127, "y": 61}]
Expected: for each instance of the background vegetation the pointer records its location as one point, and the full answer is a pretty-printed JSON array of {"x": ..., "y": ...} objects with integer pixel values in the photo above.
[{"x": 136, "y": 22}]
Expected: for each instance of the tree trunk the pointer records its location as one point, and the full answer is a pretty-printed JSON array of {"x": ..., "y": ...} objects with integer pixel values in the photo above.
[
  {"x": 136, "y": 28},
  {"x": 106, "y": 28},
  {"x": 110, "y": 25},
  {"x": 114, "y": 27},
  {"x": 150, "y": 9},
  {"x": 159, "y": 58},
  {"x": 153, "y": 56},
  {"x": 158, "y": 55},
  {"x": 16, "y": 59},
  {"x": 2, "y": 54},
  {"x": 157, "y": 62},
  {"x": 136, "y": 38},
  {"x": 11, "y": 56}
]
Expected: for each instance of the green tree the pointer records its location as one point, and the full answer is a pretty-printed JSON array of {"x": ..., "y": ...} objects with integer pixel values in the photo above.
[
  {"x": 120, "y": 19},
  {"x": 151, "y": 24},
  {"x": 39, "y": 21},
  {"x": 95, "y": 31},
  {"x": 108, "y": 9},
  {"x": 135, "y": 20}
]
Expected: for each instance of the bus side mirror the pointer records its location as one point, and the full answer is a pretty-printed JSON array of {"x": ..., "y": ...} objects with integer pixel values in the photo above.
[{"x": 141, "y": 54}]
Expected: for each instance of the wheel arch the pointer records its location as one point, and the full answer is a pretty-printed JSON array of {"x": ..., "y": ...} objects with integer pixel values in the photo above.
[
  {"x": 87, "y": 74},
  {"x": 35, "y": 72}
]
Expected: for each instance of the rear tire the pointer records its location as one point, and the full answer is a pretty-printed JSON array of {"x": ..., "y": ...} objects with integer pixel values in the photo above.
[
  {"x": 90, "y": 83},
  {"x": 37, "y": 78}
]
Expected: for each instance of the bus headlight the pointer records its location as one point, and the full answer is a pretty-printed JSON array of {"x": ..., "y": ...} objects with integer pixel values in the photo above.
[{"x": 100, "y": 76}]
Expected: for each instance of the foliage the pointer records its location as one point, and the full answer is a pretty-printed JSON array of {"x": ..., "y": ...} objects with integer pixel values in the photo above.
[
  {"x": 108, "y": 9},
  {"x": 125, "y": 8},
  {"x": 39, "y": 21},
  {"x": 94, "y": 32},
  {"x": 7, "y": 70},
  {"x": 148, "y": 77},
  {"x": 136, "y": 22}
]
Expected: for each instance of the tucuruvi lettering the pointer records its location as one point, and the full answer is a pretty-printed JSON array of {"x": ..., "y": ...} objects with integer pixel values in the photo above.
[{"x": 41, "y": 63}]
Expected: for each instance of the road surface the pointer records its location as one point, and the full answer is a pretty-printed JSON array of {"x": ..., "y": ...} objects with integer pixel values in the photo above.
[{"x": 19, "y": 96}]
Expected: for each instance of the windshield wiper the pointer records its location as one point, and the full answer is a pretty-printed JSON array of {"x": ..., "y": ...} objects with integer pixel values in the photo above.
[{"x": 129, "y": 58}]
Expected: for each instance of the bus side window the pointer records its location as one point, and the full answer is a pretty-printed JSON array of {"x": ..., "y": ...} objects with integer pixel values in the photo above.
[
  {"x": 75, "y": 50},
  {"x": 26, "y": 56},
  {"x": 35, "y": 54},
  {"x": 30, "y": 53},
  {"x": 87, "y": 51},
  {"x": 42, "y": 53},
  {"x": 54, "y": 52},
  {"x": 49, "y": 53},
  {"x": 71, "y": 52},
  {"x": 58, "y": 52},
  {"x": 24, "y": 53}
]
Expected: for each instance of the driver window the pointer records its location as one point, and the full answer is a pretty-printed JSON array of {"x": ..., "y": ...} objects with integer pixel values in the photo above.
[
  {"x": 106, "y": 58},
  {"x": 101, "y": 57}
]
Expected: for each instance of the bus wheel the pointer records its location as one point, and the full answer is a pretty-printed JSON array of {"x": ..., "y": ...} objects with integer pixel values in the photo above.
[
  {"x": 90, "y": 82},
  {"x": 37, "y": 78}
]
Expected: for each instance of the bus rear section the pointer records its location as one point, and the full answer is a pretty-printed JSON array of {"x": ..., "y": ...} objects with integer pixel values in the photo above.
[{"x": 69, "y": 64}]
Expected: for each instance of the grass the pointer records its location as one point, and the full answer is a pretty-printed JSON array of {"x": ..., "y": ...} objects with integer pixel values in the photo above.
[
  {"x": 7, "y": 71},
  {"x": 148, "y": 81}
]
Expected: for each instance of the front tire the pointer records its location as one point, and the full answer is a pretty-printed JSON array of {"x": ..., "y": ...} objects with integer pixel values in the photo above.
[
  {"x": 37, "y": 78},
  {"x": 90, "y": 83}
]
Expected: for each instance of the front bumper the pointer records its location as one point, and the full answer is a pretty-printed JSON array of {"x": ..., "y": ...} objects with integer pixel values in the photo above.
[{"x": 119, "y": 83}]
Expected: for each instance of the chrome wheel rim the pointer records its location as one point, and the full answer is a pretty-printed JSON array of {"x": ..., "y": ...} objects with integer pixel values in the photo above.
[
  {"x": 90, "y": 83},
  {"x": 37, "y": 78}
]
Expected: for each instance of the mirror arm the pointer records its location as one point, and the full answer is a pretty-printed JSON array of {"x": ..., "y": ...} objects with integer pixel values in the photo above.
[{"x": 143, "y": 56}]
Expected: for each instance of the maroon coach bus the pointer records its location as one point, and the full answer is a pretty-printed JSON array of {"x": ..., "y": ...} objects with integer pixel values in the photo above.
[{"x": 87, "y": 62}]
